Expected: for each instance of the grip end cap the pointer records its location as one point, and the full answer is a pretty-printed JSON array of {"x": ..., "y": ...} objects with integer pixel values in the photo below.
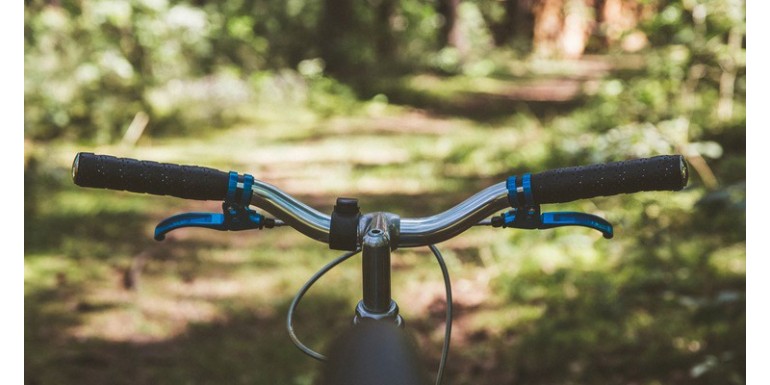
[
  {"x": 75, "y": 165},
  {"x": 684, "y": 171}
]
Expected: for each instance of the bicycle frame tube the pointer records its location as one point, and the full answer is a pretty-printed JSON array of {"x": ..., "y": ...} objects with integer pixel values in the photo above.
[{"x": 413, "y": 231}]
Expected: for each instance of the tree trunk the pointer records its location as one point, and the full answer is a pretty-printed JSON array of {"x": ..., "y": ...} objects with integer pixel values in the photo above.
[
  {"x": 504, "y": 30},
  {"x": 578, "y": 26},
  {"x": 516, "y": 24},
  {"x": 386, "y": 43},
  {"x": 563, "y": 27},
  {"x": 729, "y": 74},
  {"x": 450, "y": 34},
  {"x": 548, "y": 27},
  {"x": 336, "y": 24},
  {"x": 619, "y": 18}
]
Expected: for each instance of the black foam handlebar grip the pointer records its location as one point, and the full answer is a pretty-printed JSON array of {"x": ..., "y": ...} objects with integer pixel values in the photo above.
[
  {"x": 660, "y": 173},
  {"x": 189, "y": 182}
]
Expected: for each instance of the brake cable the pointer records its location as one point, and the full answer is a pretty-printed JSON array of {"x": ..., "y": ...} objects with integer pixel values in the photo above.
[{"x": 344, "y": 257}]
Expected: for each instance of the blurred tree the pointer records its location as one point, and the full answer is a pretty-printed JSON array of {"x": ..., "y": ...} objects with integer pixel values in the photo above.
[
  {"x": 386, "y": 38},
  {"x": 511, "y": 21},
  {"x": 619, "y": 20},
  {"x": 344, "y": 42},
  {"x": 562, "y": 27},
  {"x": 450, "y": 33},
  {"x": 91, "y": 67}
]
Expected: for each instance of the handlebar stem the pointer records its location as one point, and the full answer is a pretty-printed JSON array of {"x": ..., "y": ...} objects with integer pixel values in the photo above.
[
  {"x": 411, "y": 232},
  {"x": 376, "y": 241}
]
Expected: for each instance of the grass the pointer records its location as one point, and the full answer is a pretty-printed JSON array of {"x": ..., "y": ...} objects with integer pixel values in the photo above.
[
  {"x": 210, "y": 307},
  {"x": 664, "y": 302}
]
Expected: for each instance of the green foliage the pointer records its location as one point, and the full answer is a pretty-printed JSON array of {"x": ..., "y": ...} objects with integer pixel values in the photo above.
[
  {"x": 654, "y": 311},
  {"x": 664, "y": 302},
  {"x": 91, "y": 67},
  {"x": 472, "y": 60},
  {"x": 688, "y": 98}
]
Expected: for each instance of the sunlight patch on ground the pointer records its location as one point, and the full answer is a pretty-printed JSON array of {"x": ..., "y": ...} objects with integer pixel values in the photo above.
[
  {"x": 165, "y": 308},
  {"x": 422, "y": 297},
  {"x": 136, "y": 317},
  {"x": 409, "y": 122},
  {"x": 260, "y": 287}
]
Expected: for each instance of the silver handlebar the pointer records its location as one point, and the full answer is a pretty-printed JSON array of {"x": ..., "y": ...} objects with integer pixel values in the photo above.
[{"x": 413, "y": 232}]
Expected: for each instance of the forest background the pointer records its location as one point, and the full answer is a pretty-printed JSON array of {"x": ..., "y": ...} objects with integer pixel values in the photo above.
[{"x": 411, "y": 106}]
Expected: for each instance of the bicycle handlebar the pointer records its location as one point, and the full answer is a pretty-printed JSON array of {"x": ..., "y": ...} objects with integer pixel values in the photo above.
[{"x": 555, "y": 186}]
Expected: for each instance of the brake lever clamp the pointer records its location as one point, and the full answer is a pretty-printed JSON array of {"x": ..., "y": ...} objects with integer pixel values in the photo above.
[{"x": 235, "y": 216}]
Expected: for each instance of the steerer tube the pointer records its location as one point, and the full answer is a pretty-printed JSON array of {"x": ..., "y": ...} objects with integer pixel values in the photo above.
[
  {"x": 376, "y": 271},
  {"x": 377, "y": 232}
]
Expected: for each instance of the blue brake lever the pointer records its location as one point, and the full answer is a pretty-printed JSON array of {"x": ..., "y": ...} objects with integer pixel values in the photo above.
[
  {"x": 206, "y": 220},
  {"x": 569, "y": 218},
  {"x": 236, "y": 214},
  {"x": 526, "y": 213},
  {"x": 231, "y": 220},
  {"x": 532, "y": 219}
]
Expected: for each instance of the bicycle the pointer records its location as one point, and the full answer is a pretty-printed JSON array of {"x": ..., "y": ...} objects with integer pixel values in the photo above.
[{"x": 376, "y": 349}]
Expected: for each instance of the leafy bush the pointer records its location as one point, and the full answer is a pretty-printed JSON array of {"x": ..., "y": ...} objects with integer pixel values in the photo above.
[{"x": 89, "y": 66}]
